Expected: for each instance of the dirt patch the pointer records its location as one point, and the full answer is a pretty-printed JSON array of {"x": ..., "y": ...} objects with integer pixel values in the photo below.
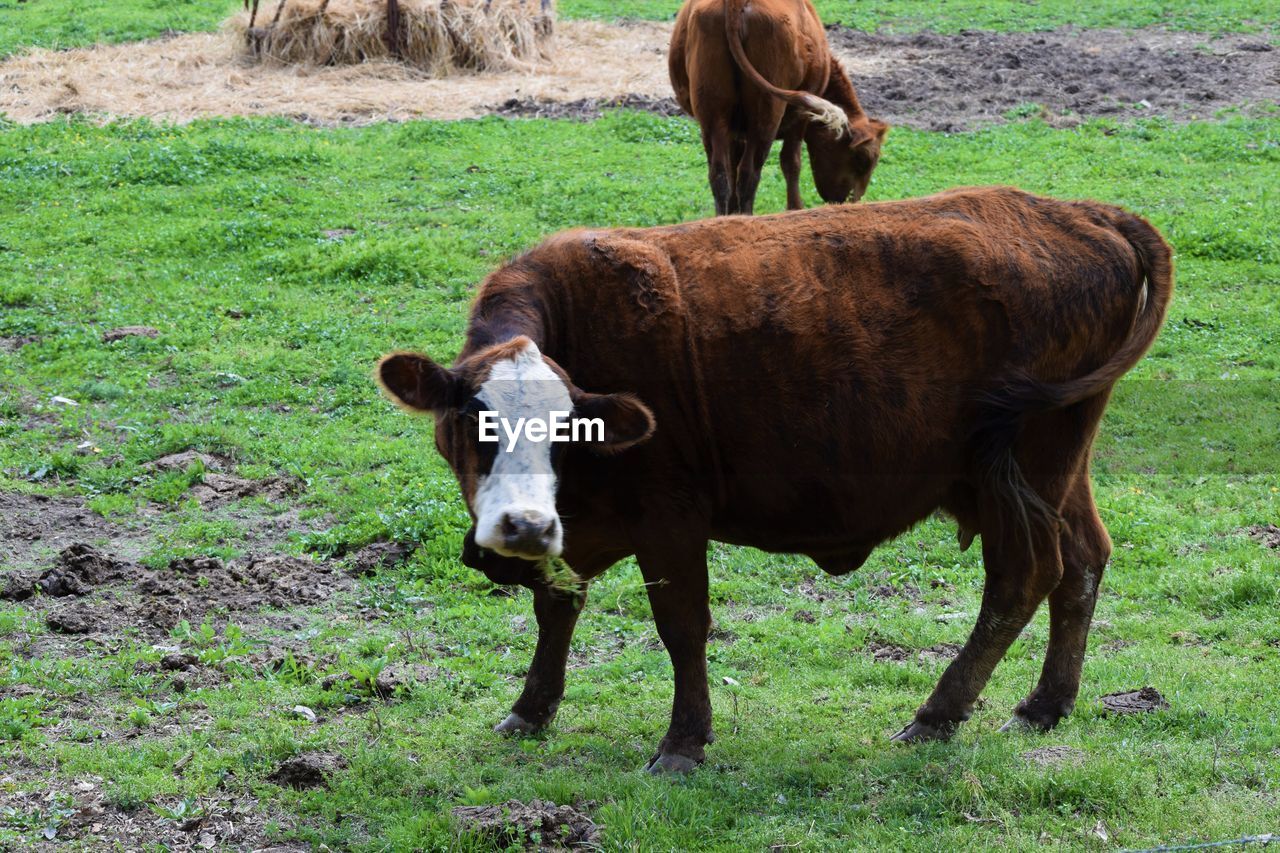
[
  {"x": 31, "y": 525},
  {"x": 395, "y": 678},
  {"x": 116, "y": 595},
  {"x": 971, "y": 79},
  {"x": 1143, "y": 701},
  {"x": 887, "y": 651},
  {"x": 925, "y": 80},
  {"x": 939, "y": 652},
  {"x": 378, "y": 555},
  {"x": 536, "y": 825},
  {"x": 79, "y": 811},
  {"x": 1051, "y": 756},
  {"x": 16, "y": 342},
  {"x": 123, "y": 332},
  {"x": 308, "y": 770},
  {"x": 586, "y": 109},
  {"x": 1267, "y": 534},
  {"x": 216, "y": 489}
]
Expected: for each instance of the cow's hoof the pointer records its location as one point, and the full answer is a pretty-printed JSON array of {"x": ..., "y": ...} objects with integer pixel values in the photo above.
[
  {"x": 918, "y": 732},
  {"x": 515, "y": 725},
  {"x": 670, "y": 762}
]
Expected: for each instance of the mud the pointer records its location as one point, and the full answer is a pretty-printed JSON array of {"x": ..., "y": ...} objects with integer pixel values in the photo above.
[
  {"x": 88, "y": 819},
  {"x": 887, "y": 652},
  {"x": 123, "y": 332},
  {"x": 971, "y": 79},
  {"x": 1051, "y": 756},
  {"x": 16, "y": 342},
  {"x": 1266, "y": 534},
  {"x": 536, "y": 825},
  {"x": 378, "y": 555},
  {"x": 1142, "y": 701},
  {"x": 115, "y": 596},
  {"x": 31, "y": 525},
  {"x": 307, "y": 770},
  {"x": 394, "y": 679},
  {"x": 586, "y": 109}
]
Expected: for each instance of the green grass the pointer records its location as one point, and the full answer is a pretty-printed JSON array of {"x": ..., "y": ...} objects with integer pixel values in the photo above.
[
  {"x": 214, "y": 233},
  {"x": 74, "y": 23}
]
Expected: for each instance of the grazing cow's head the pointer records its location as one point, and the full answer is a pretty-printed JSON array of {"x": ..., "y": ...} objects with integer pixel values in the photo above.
[
  {"x": 509, "y": 484},
  {"x": 842, "y": 163}
]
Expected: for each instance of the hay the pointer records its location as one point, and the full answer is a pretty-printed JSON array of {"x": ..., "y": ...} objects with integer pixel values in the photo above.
[
  {"x": 203, "y": 75},
  {"x": 437, "y": 37}
]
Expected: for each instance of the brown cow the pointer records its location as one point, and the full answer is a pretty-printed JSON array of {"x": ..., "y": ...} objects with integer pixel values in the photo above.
[
  {"x": 721, "y": 53},
  {"x": 813, "y": 383}
]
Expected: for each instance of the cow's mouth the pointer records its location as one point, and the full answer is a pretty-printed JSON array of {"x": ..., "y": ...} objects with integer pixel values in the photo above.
[{"x": 497, "y": 568}]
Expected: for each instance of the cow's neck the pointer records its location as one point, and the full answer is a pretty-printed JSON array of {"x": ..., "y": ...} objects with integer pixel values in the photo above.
[{"x": 840, "y": 91}]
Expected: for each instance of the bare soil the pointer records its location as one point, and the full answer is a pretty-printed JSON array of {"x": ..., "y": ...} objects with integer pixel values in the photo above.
[
  {"x": 536, "y": 825},
  {"x": 88, "y": 592},
  {"x": 963, "y": 81},
  {"x": 1050, "y": 756},
  {"x": 223, "y": 821},
  {"x": 1266, "y": 534},
  {"x": 936, "y": 82},
  {"x": 1142, "y": 701}
]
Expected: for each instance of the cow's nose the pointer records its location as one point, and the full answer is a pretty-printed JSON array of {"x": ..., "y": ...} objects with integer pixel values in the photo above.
[{"x": 528, "y": 532}]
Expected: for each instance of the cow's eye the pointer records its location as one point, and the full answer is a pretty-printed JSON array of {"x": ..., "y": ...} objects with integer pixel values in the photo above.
[{"x": 473, "y": 408}]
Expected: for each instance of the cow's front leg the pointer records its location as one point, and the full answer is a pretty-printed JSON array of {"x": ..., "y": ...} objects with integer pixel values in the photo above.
[
  {"x": 557, "y": 613},
  {"x": 677, "y": 585}
]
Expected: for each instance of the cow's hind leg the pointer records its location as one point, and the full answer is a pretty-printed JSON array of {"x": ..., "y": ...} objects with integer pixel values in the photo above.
[
  {"x": 557, "y": 613},
  {"x": 792, "y": 145},
  {"x": 718, "y": 143},
  {"x": 676, "y": 579},
  {"x": 1086, "y": 548},
  {"x": 755, "y": 151},
  {"x": 1022, "y": 565}
]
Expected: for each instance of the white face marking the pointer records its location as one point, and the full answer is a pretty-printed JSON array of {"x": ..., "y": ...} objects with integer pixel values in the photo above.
[{"x": 521, "y": 485}]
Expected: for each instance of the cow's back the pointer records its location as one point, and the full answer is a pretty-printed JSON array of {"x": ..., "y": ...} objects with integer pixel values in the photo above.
[
  {"x": 830, "y": 357},
  {"x": 784, "y": 40}
]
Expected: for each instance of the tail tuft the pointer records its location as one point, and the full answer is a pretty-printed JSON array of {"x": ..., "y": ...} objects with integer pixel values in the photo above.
[{"x": 827, "y": 114}]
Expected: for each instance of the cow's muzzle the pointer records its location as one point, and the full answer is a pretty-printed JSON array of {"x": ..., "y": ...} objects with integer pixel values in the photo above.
[{"x": 497, "y": 568}]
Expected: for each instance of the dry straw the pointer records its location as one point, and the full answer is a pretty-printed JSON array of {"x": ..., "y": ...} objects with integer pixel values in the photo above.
[{"x": 439, "y": 37}]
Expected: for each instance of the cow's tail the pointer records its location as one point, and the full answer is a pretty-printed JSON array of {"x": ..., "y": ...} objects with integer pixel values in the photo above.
[
  {"x": 1003, "y": 412},
  {"x": 819, "y": 109}
]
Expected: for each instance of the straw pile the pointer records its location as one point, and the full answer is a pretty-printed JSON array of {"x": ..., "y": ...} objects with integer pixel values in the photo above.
[{"x": 436, "y": 36}]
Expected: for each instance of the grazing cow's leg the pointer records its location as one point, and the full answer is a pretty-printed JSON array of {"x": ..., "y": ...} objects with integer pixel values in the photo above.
[
  {"x": 792, "y": 145},
  {"x": 676, "y": 578},
  {"x": 1018, "y": 579},
  {"x": 718, "y": 144},
  {"x": 754, "y": 152},
  {"x": 557, "y": 613},
  {"x": 1086, "y": 548}
]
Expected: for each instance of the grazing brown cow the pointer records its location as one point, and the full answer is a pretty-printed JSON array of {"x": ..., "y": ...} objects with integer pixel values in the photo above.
[
  {"x": 813, "y": 383},
  {"x": 751, "y": 71}
]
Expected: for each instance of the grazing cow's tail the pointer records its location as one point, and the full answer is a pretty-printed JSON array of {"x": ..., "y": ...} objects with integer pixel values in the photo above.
[
  {"x": 1003, "y": 412},
  {"x": 820, "y": 109}
]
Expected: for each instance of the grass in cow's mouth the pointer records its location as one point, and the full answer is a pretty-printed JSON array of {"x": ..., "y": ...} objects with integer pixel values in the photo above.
[{"x": 277, "y": 262}]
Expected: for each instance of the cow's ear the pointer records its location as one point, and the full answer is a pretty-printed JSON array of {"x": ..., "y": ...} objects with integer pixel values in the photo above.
[
  {"x": 417, "y": 383},
  {"x": 627, "y": 421},
  {"x": 864, "y": 133}
]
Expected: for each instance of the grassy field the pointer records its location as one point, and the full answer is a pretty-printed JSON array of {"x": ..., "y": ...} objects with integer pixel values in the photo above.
[
  {"x": 278, "y": 261},
  {"x": 73, "y": 23},
  {"x": 214, "y": 234}
]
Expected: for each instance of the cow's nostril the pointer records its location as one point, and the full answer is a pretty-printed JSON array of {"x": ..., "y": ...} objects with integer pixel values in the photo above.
[{"x": 510, "y": 527}]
